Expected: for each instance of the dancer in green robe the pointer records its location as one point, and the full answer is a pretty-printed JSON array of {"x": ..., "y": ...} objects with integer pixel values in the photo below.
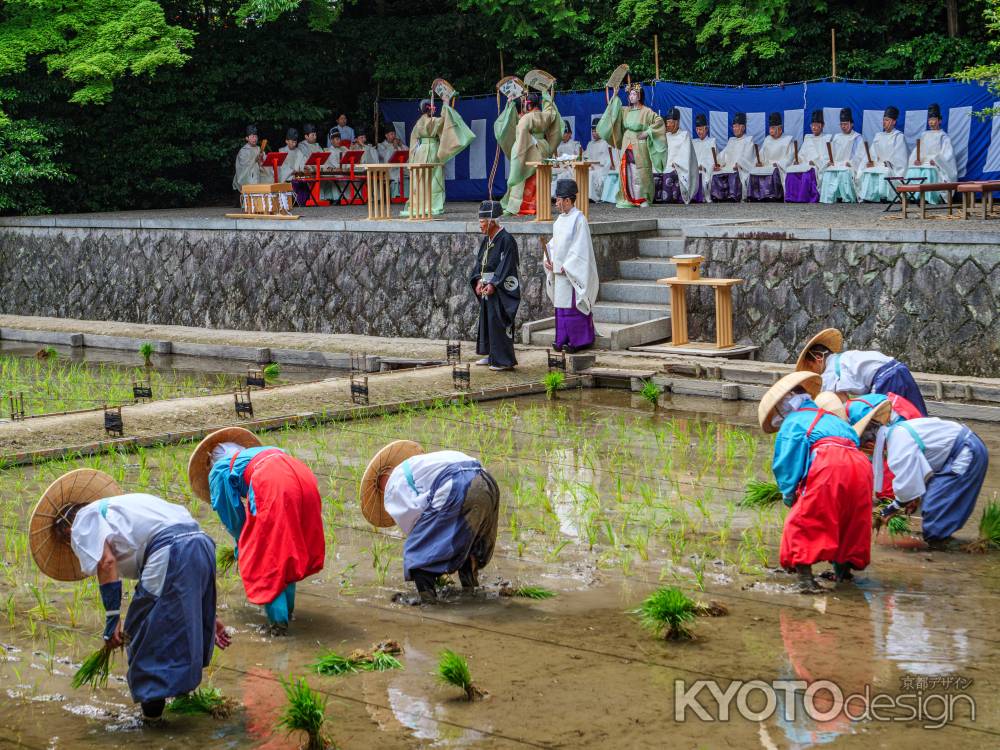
[
  {"x": 437, "y": 139},
  {"x": 641, "y": 128},
  {"x": 531, "y": 136}
]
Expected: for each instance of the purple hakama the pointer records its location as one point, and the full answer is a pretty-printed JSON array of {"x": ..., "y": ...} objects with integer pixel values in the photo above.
[
  {"x": 765, "y": 188},
  {"x": 699, "y": 196},
  {"x": 573, "y": 328},
  {"x": 302, "y": 191},
  {"x": 726, "y": 187},
  {"x": 667, "y": 188},
  {"x": 800, "y": 187}
]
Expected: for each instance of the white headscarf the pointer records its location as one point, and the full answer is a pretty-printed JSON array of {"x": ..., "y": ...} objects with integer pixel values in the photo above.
[
  {"x": 225, "y": 450},
  {"x": 791, "y": 402}
]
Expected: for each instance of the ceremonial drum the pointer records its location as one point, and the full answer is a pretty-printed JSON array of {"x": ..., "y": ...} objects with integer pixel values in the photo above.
[{"x": 268, "y": 199}]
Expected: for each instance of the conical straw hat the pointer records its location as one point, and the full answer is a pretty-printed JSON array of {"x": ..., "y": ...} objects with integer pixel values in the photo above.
[
  {"x": 831, "y": 338},
  {"x": 387, "y": 459},
  {"x": 810, "y": 381},
  {"x": 880, "y": 414},
  {"x": 54, "y": 557},
  {"x": 200, "y": 463},
  {"x": 830, "y": 401}
]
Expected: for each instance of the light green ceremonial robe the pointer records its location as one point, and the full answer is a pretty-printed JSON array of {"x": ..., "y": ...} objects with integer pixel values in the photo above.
[
  {"x": 621, "y": 126},
  {"x": 438, "y": 139},
  {"x": 531, "y": 137}
]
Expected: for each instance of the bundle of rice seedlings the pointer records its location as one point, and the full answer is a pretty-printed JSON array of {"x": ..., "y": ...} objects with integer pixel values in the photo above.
[
  {"x": 225, "y": 559},
  {"x": 553, "y": 381},
  {"x": 532, "y": 592},
  {"x": 898, "y": 525},
  {"x": 650, "y": 391},
  {"x": 989, "y": 529},
  {"x": 667, "y": 611},
  {"x": 271, "y": 372},
  {"x": 305, "y": 712},
  {"x": 208, "y": 700},
  {"x": 146, "y": 350},
  {"x": 379, "y": 658},
  {"x": 454, "y": 670},
  {"x": 332, "y": 664},
  {"x": 382, "y": 662},
  {"x": 95, "y": 669},
  {"x": 760, "y": 494}
]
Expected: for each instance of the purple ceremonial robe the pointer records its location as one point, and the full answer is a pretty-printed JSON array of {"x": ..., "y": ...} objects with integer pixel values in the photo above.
[
  {"x": 301, "y": 190},
  {"x": 573, "y": 327},
  {"x": 800, "y": 187},
  {"x": 726, "y": 186},
  {"x": 667, "y": 188},
  {"x": 765, "y": 187},
  {"x": 699, "y": 196}
]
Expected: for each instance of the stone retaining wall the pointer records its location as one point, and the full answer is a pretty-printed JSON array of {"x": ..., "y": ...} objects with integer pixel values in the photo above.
[
  {"x": 385, "y": 283},
  {"x": 934, "y": 305}
]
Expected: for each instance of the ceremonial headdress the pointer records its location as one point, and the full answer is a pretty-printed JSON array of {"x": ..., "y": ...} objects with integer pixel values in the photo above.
[
  {"x": 700, "y": 120},
  {"x": 308, "y": 128},
  {"x": 672, "y": 114},
  {"x": 200, "y": 463},
  {"x": 891, "y": 112},
  {"x": 740, "y": 118},
  {"x": 291, "y": 134},
  {"x": 567, "y": 128},
  {"x": 383, "y": 464},
  {"x": 831, "y": 338},
  {"x": 51, "y": 551},
  {"x": 593, "y": 121},
  {"x": 810, "y": 382},
  {"x": 934, "y": 110},
  {"x": 846, "y": 115},
  {"x": 817, "y": 116},
  {"x": 334, "y": 132},
  {"x": 490, "y": 210},
  {"x": 774, "y": 119},
  {"x": 566, "y": 189},
  {"x": 425, "y": 104},
  {"x": 251, "y": 130}
]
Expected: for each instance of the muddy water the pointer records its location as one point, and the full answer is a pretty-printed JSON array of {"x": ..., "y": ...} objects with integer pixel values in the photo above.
[{"x": 574, "y": 671}]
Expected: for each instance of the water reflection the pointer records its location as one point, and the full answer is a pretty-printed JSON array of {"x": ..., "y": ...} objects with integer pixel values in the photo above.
[
  {"x": 568, "y": 477},
  {"x": 907, "y": 634}
]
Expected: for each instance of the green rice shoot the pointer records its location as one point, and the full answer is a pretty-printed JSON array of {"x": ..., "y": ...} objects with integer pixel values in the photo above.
[
  {"x": 667, "y": 611},
  {"x": 305, "y": 712},
  {"x": 271, "y": 371},
  {"x": 760, "y": 494},
  {"x": 989, "y": 525},
  {"x": 146, "y": 350},
  {"x": 208, "y": 701},
  {"x": 332, "y": 664},
  {"x": 225, "y": 558},
  {"x": 898, "y": 525},
  {"x": 95, "y": 669},
  {"x": 553, "y": 381},
  {"x": 383, "y": 662},
  {"x": 651, "y": 392},
  {"x": 533, "y": 592},
  {"x": 453, "y": 670}
]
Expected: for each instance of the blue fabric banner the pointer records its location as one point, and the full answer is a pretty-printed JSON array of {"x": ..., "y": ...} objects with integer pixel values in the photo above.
[{"x": 976, "y": 141}]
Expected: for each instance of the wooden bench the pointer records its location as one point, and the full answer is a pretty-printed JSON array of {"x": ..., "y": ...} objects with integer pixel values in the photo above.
[
  {"x": 968, "y": 192},
  {"x": 922, "y": 189}
]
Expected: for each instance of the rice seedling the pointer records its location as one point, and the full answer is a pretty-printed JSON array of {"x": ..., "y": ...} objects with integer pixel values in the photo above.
[
  {"x": 453, "y": 670},
  {"x": 271, "y": 372},
  {"x": 305, "y": 712},
  {"x": 526, "y": 592},
  {"x": 209, "y": 700},
  {"x": 668, "y": 612},
  {"x": 95, "y": 669},
  {"x": 898, "y": 526},
  {"x": 651, "y": 392},
  {"x": 760, "y": 494},
  {"x": 553, "y": 381},
  {"x": 146, "y": 350},
  {"x": 225, "y": 558},
  {"x": 333, "y": 664},
  {"x": 989, "y": 529},
  {"x": 382, "y": 661}
]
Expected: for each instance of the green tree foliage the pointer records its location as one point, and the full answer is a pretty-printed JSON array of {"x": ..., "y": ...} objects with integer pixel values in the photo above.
[{"x": 988, "y": 73}]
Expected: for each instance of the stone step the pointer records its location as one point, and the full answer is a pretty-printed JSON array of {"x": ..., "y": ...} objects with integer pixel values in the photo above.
[
  {"x": 613, "y": 335},
  {"x": 646, "y": 269},
  {"x": 639, "y": 292},
  {"x": 661, "y": 247},
  {"x": 628, "y": 312}
]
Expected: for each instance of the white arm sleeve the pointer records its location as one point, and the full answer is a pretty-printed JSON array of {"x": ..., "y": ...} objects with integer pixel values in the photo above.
[
  {"x": 909, "y": 466},
  {"x": 90, "y": 532}
]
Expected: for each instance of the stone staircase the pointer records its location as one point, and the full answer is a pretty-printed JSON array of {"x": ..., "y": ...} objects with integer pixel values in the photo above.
[{"x": 631, "y": 310}]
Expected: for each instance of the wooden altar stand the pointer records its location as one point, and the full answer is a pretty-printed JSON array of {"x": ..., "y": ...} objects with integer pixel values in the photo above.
[
  {"x": 543, "y": 187},
  {"x": 421, "y": 206}
]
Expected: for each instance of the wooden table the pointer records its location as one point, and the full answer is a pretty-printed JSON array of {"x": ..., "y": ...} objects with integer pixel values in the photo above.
[
  {"x": 421, "y": 203},
  {"x": 723, "y": 309}
]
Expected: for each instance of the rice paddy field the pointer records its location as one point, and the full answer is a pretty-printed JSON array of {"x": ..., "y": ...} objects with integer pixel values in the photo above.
[{"x": 604, "y": 499}]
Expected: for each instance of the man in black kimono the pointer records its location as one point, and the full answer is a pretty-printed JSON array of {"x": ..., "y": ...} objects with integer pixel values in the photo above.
[{"x": 498, "y": 289}]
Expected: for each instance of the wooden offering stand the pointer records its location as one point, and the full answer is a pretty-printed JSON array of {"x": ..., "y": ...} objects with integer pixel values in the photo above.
[
  {"x": 689, "y": 274},
  {"x": 543, "y": 187},
  {"x": 421, "y": 206}
]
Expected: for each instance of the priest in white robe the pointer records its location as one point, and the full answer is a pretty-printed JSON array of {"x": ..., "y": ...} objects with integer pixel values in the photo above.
[
  {"x": 571, "y": 280},
  {"x": 706, "y": 152},
  {"x": 848, "y": 153},
  {"x": 568, "y": 147},
  {"x": 886, "y": 157},
  {"x": 361, "y": 144},
  {"x": 309, "y": 144},
  {"x": 679, "y": 182},
  {"x": 248, "y": 163},
  {"x": 933, "y": 156},
  {"x": 389, "y": 147},
  {"x": 767, "y": 177},
  {"x": 598, "y": 153},
  {"x": 295, "y": 161},
  {"x": 802, "y": 176},
  {"x": 729, "y": 178}
]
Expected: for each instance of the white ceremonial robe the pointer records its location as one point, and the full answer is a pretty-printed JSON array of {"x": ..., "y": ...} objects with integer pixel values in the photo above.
[
  {"x": 812, "y": 155},
  {"x": 682, "y": 159},
  {"x": 370, "y": 156},
  {"x": 574, "y": 266},
  {"x": 914, "y": 467},
  {"x": 308, "y": 149},
  {"x": 936, "y": 151},
  {"x": 386, "y": 150},
  {"x": 248, "y": 168},
  {"x": 775, "y": 153},
  {"x": 385, "y": 153},
  {"x": 852, "y": 371},
  {"x": 569, "y": 148},
  {"x": 703, "y": 148},
  {"x": 889, "y": 157},
  {"x": 598, "y": 152},
  {"x": 294, "y": 162},
  {"x": 839, "y": 180},
  {"x": 738, "y": 153},
  {"x": 406, "y": 501}
]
